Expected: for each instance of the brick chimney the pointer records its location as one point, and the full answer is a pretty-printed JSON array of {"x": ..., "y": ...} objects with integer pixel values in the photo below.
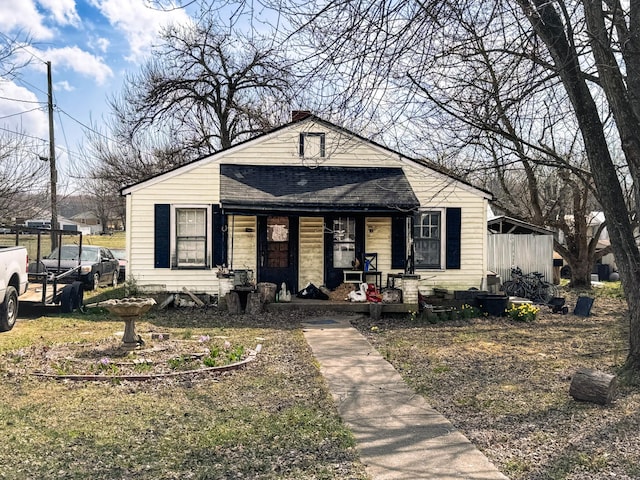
[{"x": 297, "y": 115}]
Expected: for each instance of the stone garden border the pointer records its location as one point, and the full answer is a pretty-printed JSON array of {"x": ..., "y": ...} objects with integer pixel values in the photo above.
[{"x": 141, "y": 378}]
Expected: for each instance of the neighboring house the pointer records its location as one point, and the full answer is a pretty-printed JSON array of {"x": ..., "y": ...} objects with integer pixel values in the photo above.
[
  {"x": 88, "y": 218},
  {"x": 299, "y": 204},
  {"x": 88, "y": 223}
]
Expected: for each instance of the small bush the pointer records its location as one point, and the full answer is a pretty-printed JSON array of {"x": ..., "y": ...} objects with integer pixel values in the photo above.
[
  {"x": 467, "y": 311},
  {"x": 523, "y": 313}
]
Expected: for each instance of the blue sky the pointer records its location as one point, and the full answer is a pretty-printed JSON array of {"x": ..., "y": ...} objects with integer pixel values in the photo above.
[{"x": 91, "y": 45}]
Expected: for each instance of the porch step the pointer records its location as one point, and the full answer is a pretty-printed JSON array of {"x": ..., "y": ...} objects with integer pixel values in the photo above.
[{"x": 353, "y": 307}]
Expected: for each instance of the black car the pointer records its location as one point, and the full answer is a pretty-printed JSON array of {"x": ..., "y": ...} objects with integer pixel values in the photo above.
[{"x": 98, "y": 266}]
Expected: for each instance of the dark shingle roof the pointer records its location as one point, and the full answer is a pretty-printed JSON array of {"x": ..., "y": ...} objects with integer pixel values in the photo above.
[{"x": 265, "y": 187}]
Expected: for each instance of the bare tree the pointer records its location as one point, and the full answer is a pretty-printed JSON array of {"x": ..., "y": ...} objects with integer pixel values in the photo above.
[
  {"x": 119, "y": 159},
  {"x": 23, "y": 186},
  {"x": 23, "y": 179},
  {"x": 10, "y": 63},
  {"x": 581, "y": 57},
  {"x": 206, "y": 89},
  {"x": 518, "y": 122}
]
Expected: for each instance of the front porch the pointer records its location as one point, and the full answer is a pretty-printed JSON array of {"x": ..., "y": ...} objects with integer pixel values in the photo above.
[{"x": 303, "y": 304}]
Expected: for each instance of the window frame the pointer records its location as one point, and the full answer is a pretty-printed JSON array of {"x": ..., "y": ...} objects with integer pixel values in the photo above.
[
  {"x": 351, "y": 228},
  {"x": 417, "y": 223},
  {"x": 208, "y": 243},
  {"x": 304, "y": 135}
]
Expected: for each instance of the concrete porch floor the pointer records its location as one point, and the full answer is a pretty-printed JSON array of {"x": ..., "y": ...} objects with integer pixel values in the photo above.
[{"x": 339, "y": 306}]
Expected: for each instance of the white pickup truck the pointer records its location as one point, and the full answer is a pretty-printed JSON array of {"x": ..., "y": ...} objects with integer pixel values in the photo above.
[{"x": 13, "y": 283}]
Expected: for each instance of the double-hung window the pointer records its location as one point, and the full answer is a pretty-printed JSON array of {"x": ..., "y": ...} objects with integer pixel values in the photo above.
[
  {"x": 344, "y": 242},
  {"x": 192, "y": 247},
  {"x": 427, "y": 239}
]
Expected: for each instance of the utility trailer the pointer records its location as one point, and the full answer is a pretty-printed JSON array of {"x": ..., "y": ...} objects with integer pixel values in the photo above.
[{"x": 63, "y": 288}]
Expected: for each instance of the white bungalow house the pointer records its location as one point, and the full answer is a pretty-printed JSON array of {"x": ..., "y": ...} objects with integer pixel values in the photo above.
[{"x": 300, "y": 204}]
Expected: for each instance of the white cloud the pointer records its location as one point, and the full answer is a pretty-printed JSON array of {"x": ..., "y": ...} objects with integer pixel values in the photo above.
[
  {"x": 62, "y": 11},
  {"x": 140, "y": 24},
  {"x": 103, "y": 44},
  {"x": 63, "y": 85},
  {"x": 23, "y": 16},
  {"x": 20, "y": 111},
  {"x": 77, "y": 60}
]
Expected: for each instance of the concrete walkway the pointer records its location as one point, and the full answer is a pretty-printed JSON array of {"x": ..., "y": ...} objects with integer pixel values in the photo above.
[{"x": 398, "y": 434}]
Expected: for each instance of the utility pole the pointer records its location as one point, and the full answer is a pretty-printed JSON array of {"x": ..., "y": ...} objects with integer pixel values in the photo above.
[{"x": 52, "y": 162}]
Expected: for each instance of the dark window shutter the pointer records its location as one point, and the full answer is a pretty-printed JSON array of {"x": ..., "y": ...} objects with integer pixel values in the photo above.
[
  {"x": 398, "y": 242},
  {"x": 162, "y": 238},
  {"x": 454, "y": 225},
  {"x": 219, "y": 236}
]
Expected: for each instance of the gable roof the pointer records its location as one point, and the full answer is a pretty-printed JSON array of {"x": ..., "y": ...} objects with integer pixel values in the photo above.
[
  {"x": 320, "y": 189},
  {"x": 301, "y": 119}
]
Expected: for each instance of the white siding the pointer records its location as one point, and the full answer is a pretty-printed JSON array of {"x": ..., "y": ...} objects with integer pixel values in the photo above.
[
  {"x": 140, "y": 244},
  {"x": 243, "y": 246},
  {"x": 438, "y": 191},
  {"x": 311, "y": 264},
  {"x": 198, "y": 184}
]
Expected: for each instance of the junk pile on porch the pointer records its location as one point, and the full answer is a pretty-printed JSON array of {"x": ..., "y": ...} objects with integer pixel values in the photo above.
[{"x": 239, "y": 293}]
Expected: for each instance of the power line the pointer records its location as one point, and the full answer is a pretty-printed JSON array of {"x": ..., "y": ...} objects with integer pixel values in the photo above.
[
  {"x": 22, "y": 101},
  {"x": 24, "y": 82},
  {"x": 19, "y": 113},
  {"x": 66, "y": 150},
  {"x": 23, "y": 47},
  {"x": 86, "y": 126},
  {"x": 22, "y": 134}
]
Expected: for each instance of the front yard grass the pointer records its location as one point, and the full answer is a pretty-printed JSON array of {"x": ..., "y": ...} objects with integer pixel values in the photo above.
[
  {"x": 505, "y": 385},
  {"x": 272, "y": 419}
]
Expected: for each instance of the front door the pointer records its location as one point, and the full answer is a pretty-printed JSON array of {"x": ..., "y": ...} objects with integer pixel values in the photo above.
[
  {"x": 278, "y": 250},
  {"x": 344, "y": 243}
]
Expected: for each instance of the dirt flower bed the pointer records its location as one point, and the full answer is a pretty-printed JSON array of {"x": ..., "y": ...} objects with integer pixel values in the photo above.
[
  {"x": 110, "y": 358},
  {"x": 505, "y": 385}
]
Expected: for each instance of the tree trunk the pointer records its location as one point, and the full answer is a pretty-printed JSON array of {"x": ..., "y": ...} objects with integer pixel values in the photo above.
[
  {"x": 633, "y": 301},
  {"x": 580, "y": 275},
  {"x": 549, "y": 26},
  {"x": 593, "y": 386}
]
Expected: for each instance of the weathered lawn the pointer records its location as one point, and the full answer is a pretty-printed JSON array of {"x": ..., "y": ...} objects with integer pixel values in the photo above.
[
  {"x": 273, "y": 419},
  {"x": 506, "y": 384}
]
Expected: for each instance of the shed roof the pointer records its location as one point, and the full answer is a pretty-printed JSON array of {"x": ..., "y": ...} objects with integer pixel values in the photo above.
[
  {"x": 504, "y": 224},
  {"x": 320, "y": 189}
]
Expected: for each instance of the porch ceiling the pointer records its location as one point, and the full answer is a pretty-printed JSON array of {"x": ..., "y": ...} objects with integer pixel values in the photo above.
[{"x": 321, "y": 189}]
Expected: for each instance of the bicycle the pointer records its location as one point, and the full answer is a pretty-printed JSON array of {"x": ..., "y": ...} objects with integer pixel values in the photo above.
[{"x": 530, "y": 286}]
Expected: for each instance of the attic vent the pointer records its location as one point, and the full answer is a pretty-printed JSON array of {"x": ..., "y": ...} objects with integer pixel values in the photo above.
[{"x": 312, "y": 145}]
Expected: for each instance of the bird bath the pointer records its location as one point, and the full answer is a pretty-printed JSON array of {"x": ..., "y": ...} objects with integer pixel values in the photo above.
[{"x": 129, "y": 309}]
